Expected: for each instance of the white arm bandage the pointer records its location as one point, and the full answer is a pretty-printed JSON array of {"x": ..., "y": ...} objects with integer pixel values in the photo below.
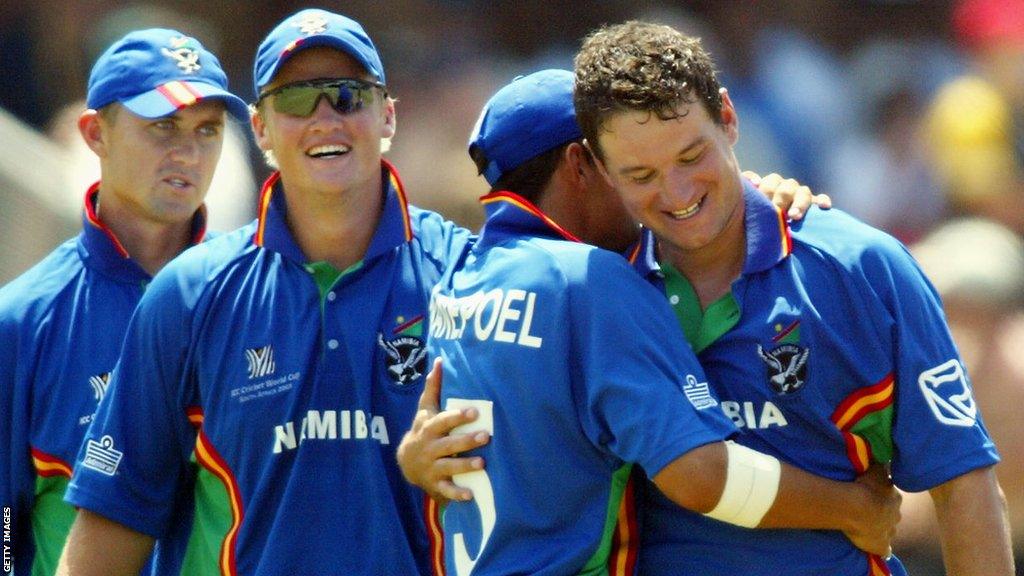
[{"x": 751, "y": 483}]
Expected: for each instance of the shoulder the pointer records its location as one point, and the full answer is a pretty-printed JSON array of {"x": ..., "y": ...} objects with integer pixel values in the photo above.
[
  {"x": 190, "y": 273},
  {"x": 439, "y": 238},
  {"x": 582, "y": 269},
  {"x": 36, "y": 290},
  {"x": 848, "y": 244}
]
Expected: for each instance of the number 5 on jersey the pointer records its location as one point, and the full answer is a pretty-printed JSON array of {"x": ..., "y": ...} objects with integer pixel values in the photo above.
[{"x": 477, "y": 481}]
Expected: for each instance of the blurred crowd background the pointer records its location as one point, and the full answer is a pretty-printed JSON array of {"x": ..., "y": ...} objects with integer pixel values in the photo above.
[{"x": 910, "y": 113}]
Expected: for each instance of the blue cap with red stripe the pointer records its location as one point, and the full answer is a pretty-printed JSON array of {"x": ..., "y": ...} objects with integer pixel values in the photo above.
[
  {"x": 156, "y": 71},
  {"x": 309, "y": 28}
]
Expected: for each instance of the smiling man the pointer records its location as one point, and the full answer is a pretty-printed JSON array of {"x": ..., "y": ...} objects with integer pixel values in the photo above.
[
  {"x": 274, "y": 368},
  {"x": 157, "y": 102},
  {"x": 822, "y": 338}
]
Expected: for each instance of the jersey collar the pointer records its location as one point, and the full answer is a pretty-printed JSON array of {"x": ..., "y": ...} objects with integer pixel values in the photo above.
[
  {"x": 101, "y": 249},
  {"x": 643, "y": 256},
  {"x": 768, "y": 237},
  {"x": 509, "y": 215},
  {"x": 394, "y": 228}
]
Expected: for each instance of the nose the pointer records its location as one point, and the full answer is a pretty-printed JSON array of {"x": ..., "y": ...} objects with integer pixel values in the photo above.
[
  {"x": 324, "y": 110},
  {"x": 186, "y": 150},
  {"x": 676, "y": 187}
]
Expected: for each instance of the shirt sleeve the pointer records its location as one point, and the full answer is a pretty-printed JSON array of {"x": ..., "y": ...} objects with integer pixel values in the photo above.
[
  {"x": 645, "y": 395},
  {"x": 17, "y": 487},
  {"x": 938, "y": 432},
  {"x": 136, "y": 453}
]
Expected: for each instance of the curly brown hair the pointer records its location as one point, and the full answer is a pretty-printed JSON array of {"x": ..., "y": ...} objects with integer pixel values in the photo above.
[{"x": 641, "y": 66}]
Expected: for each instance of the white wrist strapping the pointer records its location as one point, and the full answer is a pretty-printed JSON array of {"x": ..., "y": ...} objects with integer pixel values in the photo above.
[{"x": 751, "y": 484}]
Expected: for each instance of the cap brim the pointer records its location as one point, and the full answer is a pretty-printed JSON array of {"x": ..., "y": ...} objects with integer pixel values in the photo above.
[{"x": 168, "y": 98}]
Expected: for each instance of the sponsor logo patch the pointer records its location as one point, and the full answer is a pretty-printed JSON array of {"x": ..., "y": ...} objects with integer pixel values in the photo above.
[
  {"x": 101, "y": 456},
  {"x": 948, "y": 395},
  {"x": 698, "y": 393},
  {"x": 787, "y": 367},
  {"x": 405, "y": 357}
]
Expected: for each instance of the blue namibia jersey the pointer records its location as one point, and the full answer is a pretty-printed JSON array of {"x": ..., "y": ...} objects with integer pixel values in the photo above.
[
  {"x": 831, "y": 353},
  {"x": 61, "y": 327},
  {"x": 279, "y": 402},
  {"x": 583, "y": 371}
]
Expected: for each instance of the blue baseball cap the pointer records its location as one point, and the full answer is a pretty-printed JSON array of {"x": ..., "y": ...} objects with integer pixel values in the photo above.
[
  {"x": 524, "y": 119},
  {"x": 309, "y": 28},
  {"x": 156, "y": 71}
]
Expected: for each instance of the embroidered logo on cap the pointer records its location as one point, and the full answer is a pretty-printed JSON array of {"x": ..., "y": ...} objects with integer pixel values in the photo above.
[
  {"x": 185, "y": 55},
  {"x": 311, "y": 24}
]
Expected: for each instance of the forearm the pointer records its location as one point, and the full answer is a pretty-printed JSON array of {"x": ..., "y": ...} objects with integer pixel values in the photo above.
[
  {"x": 97, "y": 546},
  {"x": 973, "y": 525},
  {"x": 805, "y": 501},
  {"x": 743, "y": 487}
]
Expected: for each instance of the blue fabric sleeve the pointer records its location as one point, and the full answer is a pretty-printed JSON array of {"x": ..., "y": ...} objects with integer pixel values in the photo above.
[
  {"x": 635, "y": 363},
  {"x": 938, "y": 433},
  {"x": 17, "y": 489},
  {"x": 141, "y": 429}
]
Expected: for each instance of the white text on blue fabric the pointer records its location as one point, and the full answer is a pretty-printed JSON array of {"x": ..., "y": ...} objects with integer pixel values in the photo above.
[
  {"x": 499, "y": 315},
  {"x": 331, "y": 425}
]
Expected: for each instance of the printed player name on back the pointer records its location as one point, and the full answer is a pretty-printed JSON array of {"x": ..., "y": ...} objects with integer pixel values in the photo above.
[{"x": 499, "y": 315}]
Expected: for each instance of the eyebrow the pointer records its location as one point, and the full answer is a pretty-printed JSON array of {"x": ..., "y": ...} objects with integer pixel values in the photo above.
[{"x": 699, "y": 140}]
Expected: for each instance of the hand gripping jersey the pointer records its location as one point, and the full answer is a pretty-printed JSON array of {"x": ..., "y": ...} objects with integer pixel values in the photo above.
[
  {"x": 831, "y": 352},
  {"x": 281, "y": 401},
  {"x": 61, "y": 327},
  {"x": 583, "y": 369}
]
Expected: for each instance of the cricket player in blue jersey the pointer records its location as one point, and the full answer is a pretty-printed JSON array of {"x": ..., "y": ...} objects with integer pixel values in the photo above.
[
  {"x": 269, "y": 373},
  {"x": 577, "y": 369},
  {"x": 822, "y": 339},
  {"x": 157, "y": 100}
]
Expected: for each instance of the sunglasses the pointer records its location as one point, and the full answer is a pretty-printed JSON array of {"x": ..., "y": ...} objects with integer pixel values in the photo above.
[{"x": 346, "y": 95}]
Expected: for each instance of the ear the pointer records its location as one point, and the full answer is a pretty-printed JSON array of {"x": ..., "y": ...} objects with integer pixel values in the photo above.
[
  {"x": 259, "y": 128},
  {"x": 730, "y": 121},
  {"x": 574, "y": 157},
  {"x": 599, "y": 164},
  {"x": 390, "y": 119},
  {"x": 94, "y": 131}
]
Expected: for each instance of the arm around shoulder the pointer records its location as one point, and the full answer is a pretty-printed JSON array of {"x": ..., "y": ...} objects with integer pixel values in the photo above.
[
  {"x": 97, "y": 546},
  {"x": 756, "y": 490}
]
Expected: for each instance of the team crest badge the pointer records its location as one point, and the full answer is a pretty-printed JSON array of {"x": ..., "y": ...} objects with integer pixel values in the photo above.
[
  {"x": 184, "y": 54},
  {"x": 787, "y": 367},
  {"x": 406, "y": 358}
]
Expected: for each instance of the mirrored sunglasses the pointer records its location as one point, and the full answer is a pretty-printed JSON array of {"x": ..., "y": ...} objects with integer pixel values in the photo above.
[{"x": 346, "y": 95}]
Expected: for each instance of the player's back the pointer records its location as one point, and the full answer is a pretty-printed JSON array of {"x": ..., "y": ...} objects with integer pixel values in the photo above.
[{"x": 548, "y": 337}]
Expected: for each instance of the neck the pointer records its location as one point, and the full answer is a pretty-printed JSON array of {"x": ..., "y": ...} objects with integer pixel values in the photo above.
[
  {"x": 711, "y": 269},
  {"x": 151, "y": 244},
  {"x": 337, "y": 227}
]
